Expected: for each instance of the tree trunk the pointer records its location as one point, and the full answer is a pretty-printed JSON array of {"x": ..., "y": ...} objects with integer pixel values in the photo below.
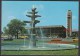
[{"x": 17, "y": 35}]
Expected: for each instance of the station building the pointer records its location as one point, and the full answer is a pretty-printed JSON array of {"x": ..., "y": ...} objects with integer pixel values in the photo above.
[
  {"x": 49, "y": 31},
  {"x": 58, "y": 30}
]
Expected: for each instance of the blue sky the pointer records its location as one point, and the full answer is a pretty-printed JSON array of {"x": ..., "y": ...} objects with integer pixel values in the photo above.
[{"x": 52, "y": 12}]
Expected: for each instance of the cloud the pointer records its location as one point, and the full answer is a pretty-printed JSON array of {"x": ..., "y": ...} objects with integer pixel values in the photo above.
[{"x": 11, "y": 17}]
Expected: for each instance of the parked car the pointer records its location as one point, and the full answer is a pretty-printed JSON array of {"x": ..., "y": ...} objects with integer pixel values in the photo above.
[
  {"x": 23, "y": 37},
  {"x": 8, "y": 39}
]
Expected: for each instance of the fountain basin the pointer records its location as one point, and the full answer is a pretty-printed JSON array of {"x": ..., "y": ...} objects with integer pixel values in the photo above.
[{"x": 39, "y": 46}]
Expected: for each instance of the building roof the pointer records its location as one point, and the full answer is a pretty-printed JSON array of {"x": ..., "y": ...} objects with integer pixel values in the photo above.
[{"x": 50, "y": 26}]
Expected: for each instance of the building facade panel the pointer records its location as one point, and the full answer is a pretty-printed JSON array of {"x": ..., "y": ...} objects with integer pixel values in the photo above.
[{"x": 51, "y": 31}]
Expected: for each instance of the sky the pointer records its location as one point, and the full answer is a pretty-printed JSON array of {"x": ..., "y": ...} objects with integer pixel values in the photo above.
[{"x": 52, "y": 12}]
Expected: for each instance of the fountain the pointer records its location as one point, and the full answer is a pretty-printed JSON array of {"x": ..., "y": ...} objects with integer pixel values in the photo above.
[
  {"x": 32, "y": 23},
  {"x": 24, "y": 43},
  {"x": 42, "y": 37},
  {"x": 33, "y": 45}
]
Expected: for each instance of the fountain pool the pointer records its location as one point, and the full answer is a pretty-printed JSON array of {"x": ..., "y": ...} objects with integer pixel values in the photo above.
[{"x": 39, "y": 46}]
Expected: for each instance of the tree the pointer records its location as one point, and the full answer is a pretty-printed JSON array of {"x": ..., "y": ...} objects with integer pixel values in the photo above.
[
  {"x": 6, "y": 30},
  {"x": 24, "y": 31},
  {"x": 15, "y": 27}
]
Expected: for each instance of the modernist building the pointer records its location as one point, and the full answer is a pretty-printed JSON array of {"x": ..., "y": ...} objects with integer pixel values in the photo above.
[
  {"x": 55, "y": 30},
  {"x": 59, "y": 30}
]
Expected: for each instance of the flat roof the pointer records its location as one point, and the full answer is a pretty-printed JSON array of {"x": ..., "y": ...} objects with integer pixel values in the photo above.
[{"x": 50, "y": 26}]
